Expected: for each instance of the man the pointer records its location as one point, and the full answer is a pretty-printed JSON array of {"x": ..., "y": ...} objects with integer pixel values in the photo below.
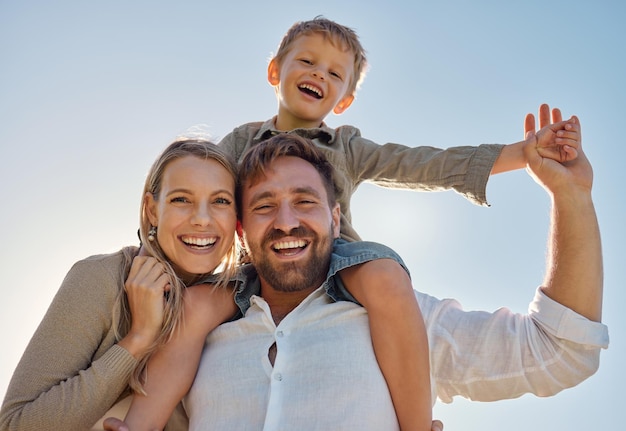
[{"x": 300, "y": 360}]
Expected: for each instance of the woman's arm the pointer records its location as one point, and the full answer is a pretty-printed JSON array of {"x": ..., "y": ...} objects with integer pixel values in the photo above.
[
  {"x": 72, "y": 371},
  {"x": 171, "y": 370}
]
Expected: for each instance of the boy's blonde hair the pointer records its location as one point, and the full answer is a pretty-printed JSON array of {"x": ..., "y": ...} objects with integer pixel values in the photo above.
[{"x": 338, "y": 34}]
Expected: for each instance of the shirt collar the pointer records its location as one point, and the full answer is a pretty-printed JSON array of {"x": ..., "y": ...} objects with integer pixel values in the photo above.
[{"x": 323, "y": 134}]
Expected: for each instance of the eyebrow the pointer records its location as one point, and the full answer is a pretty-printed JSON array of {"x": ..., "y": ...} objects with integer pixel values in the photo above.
[{"x": 188, "y": 191}]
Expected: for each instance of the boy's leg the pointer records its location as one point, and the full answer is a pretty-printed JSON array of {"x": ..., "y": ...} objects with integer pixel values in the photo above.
[{"x": 398, "y": 334}]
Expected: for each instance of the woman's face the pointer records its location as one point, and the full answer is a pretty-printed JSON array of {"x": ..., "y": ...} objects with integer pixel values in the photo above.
[{"x": 194, "y": 214}]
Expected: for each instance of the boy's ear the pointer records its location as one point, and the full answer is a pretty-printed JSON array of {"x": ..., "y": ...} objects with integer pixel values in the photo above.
[
  {"x": 273, "y": 73},
  {"x": 343, "y": 104}
]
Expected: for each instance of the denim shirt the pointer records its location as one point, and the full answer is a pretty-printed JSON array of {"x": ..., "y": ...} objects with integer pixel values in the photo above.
[
  {"x": 344, "y": 255},
  {"x": 464, "y": 169}
]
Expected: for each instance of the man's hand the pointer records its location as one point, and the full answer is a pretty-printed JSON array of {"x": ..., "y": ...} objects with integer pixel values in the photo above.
[
  {"x": 557, "y": 140},
  {"x": 554, "y": 174},
  {"x": 436, "y": 426},
  {"x": 115, "y": 424}
]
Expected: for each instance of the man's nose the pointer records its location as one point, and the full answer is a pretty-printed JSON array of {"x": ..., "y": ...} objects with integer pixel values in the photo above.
[{"x": 286, "y": 218}]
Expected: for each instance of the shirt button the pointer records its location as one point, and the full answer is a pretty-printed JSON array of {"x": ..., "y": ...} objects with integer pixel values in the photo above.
[
  {"x": 278, "y": 377},
  {"x": 279, "y": 334}
]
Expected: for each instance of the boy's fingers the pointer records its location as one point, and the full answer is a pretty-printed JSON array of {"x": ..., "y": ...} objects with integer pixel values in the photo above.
[{"x": 529, "y": 125}]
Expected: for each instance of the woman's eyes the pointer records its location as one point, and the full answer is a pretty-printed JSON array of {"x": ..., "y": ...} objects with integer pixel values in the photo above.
[
  {"x": 179, "y": 199},
  {"x": 218, "y": 201},
  {"x": 223, "y": 201}
]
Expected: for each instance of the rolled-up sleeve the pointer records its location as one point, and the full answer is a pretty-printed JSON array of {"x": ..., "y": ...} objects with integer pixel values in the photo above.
[{"x": 502, "y": 355}]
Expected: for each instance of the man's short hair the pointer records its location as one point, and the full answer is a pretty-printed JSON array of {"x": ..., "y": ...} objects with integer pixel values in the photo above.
[{"x": 258, "y": 159}]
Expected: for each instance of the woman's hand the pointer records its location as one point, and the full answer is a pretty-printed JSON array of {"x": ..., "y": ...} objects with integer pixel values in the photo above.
[{"x": 145, "y": 289}]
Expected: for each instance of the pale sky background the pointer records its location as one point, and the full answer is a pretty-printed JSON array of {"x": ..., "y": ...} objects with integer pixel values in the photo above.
[{"x": 91, "y": 92}]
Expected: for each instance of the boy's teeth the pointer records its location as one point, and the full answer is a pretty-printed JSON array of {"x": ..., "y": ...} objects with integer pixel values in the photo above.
[{"x": 311, "y": 89}]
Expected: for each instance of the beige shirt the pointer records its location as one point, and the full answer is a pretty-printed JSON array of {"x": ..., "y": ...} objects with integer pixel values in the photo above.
[{"x": 356, "y": 160}]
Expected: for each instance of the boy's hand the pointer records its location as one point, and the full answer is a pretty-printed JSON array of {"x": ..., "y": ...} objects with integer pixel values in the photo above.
[
  {"x": 551, "y": 173},
  {"x": 557, "y": 139}
]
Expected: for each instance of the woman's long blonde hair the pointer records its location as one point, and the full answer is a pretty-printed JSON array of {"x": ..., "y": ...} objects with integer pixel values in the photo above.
[{"x": 173, "y": 312}]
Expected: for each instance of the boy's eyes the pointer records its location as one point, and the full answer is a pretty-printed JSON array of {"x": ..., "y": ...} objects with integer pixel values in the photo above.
[{"x": 310, "y": 63}]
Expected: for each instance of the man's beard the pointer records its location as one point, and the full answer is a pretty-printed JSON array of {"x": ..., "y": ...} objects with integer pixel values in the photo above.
[{"x": 294, "y": 276}]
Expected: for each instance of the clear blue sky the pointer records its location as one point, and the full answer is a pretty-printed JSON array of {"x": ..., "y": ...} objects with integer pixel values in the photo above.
[{"x": 90, "y": 92}]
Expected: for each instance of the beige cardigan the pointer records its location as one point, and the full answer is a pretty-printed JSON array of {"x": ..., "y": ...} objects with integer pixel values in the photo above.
[{"x": 72, "y": 371}]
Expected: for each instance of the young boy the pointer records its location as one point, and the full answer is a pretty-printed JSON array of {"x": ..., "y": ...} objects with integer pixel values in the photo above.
[{"x": 317, "y": 69}]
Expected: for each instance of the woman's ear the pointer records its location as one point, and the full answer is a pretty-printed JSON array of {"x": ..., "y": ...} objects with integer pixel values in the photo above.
[
  {"x": 150, "y": 205},
  {"x": 273, "y": 73},
  {"x": 343, "y": 104}
]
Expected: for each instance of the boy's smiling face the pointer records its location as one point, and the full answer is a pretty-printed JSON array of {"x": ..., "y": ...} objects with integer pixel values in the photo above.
[{"x": 311, "y": 81}]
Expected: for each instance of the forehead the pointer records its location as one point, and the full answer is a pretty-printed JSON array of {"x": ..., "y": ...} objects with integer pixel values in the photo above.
[
  {"x": 284, "y": 176},
  {"x": 319, "y": 42},
  {"x": 195, "y": 172}
]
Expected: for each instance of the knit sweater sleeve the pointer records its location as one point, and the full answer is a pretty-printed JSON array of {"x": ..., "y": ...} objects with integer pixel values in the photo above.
[{"x": 72, "y": 371}]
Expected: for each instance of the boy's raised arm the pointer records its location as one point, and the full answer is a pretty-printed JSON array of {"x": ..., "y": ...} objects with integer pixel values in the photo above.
[{"x": 560, "y": 142}]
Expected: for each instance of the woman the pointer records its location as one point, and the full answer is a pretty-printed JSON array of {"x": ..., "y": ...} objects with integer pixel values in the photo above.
[{"x": 112, "y": 311}]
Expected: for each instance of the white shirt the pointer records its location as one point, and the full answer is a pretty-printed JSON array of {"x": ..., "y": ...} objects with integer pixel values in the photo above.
[{"x": 326, "y": 377}]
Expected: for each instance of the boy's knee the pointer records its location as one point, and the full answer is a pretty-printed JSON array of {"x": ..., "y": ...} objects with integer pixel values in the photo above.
[
  {"x": 385, "y": 280},
  {"x": 388, "y": 272}
]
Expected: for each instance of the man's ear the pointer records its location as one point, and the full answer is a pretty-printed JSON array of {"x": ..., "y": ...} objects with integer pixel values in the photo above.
[
  {"x": 343, "y": 104},
  {"x": 239, "y": 230},
  {"x": 336, "y": 214},
  {"x": 273, "y": 73},
  {"x": 150, "y": 205}
]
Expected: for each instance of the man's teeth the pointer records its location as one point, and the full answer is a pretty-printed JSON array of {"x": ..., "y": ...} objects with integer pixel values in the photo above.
[
  {"x": 311, "y": 89},
  {"x": 199, "y": 242},
  {"x": 289, "y": 244}
]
